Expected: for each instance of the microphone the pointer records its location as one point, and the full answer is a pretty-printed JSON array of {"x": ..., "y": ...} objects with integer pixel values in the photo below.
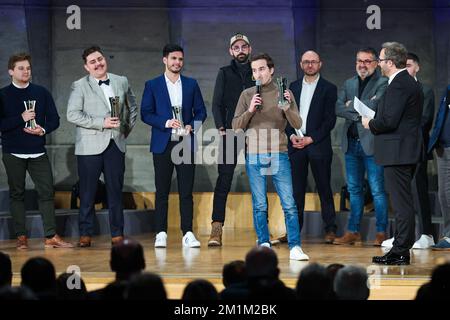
[{"x": 258, "y": 91}]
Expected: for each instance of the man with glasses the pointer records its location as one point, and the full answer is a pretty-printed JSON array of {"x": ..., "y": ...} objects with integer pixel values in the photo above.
[
  {"x": 357, "y": 145},
  {"x": 398, "y": 146},
  {"x": 230, "y": 82},
  {"x": 316, "y": 98}
]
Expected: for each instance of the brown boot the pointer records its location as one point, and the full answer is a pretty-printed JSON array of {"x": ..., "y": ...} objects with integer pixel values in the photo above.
[
  {"x": 215, "y": 239},
  {"x": 116, "y": 240},
  {"x": 22, "y": 243},
  {"x": 57, "y": 242},
  {"x": 349, "y": 238},
  {"x": 329, "y": 237},
  {"x": 379, "y": 238},
  {"x": 85, "y": 241}
]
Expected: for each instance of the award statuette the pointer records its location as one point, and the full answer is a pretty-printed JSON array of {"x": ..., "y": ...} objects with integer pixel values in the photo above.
[
  {"x": 282, "y": 85},
  {"x": 179, "y": 116},
  {"x": 115, "y": 106},
  {"x": 30, "y": 105}
]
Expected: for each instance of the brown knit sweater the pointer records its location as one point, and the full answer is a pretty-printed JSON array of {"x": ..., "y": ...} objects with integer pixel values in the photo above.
[{"x": 265, "y": 128}]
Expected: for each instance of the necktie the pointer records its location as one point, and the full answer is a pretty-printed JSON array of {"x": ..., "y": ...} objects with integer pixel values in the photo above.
[{"x": 100, "y": 82}]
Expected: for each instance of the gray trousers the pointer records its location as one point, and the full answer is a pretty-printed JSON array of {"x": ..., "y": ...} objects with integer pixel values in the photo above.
[{"x": 443, "y": 163}]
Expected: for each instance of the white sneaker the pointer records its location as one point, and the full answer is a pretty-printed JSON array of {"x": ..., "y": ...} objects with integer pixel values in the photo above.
[
  {"x": 190, "y": 241},
  {"x": 265, "y": 244},
  {"x": 297, "y": 253},
  {"x": 161, "y": 240},
  {"x": 389, "y": 243},
  {"x": 424, "y": 242}
]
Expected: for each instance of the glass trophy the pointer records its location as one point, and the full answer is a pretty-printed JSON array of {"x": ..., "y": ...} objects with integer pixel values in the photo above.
[
  {"x": 282, "y": 85},
  {"x": 179, "y": 116},
  {"x": 30, "y": 105},
  {"x": 115, "y": 106}
]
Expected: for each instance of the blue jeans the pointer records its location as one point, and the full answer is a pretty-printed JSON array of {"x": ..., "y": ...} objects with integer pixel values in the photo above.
[
  {"x": 356, "y": 163},
  {"x": 258, "y": 167}
]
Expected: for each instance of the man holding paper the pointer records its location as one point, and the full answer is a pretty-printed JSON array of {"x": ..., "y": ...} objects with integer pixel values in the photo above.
[
  {"x": 398, "y": 146},
  {"x": 360, "y": 96}
]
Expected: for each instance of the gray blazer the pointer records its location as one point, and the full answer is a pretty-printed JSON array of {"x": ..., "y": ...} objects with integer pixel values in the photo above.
[
  {"x": 87, "y": 108},
  {"x": 371, "y": 95}
]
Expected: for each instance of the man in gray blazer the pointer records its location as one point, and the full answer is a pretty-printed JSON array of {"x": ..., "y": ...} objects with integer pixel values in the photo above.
[
  {"x": 358, "y": 146},
  {"x": 100, "y": 139}
]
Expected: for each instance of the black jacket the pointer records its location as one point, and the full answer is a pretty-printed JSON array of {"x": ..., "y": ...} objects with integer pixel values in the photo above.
[
  {"x": 321, "y": 118},
  {"x": 397, "y": 123},
  {"x": 229, "y": 85}
]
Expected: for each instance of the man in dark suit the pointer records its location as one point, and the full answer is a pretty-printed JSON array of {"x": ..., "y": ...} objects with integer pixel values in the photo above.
[
  {"x": 173, "y": 106},
  {"x": 398, "y": 145},
  {"x": 420, "y": 180},
  {"x": 316, "y": 98}
]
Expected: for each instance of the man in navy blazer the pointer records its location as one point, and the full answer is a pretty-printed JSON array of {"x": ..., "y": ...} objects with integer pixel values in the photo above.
[
  {"x": 311, "y": 144},
  {"x": 440, "y": 140},
  {"x": 162, "y": 97}
]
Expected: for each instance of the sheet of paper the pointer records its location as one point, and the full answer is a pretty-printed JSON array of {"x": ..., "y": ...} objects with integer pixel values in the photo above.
[
  {"x": 299, "y": 133},
  {"x": 362, "y": 109}
]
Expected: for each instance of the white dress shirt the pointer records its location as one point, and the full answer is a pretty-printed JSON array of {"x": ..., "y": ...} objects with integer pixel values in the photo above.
[
  {"x": 175, "y": 94},
  {"x": 305, "y": 100},
  {"x": 24, "y": 155}
]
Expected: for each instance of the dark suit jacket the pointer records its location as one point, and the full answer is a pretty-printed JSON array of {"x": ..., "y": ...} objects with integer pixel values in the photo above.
[
  {"x": 321, "y": 118},
  {"x": 396, "y": 126},
  {"x": 156, "y": 109},
  {"x": 439, "y": 123}
]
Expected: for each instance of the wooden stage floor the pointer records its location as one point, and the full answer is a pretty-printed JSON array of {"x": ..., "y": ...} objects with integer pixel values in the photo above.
[{"x": 178, "y": 266}]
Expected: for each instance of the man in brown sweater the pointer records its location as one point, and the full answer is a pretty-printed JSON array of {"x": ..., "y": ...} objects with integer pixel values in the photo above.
[{"x": 264, "y": 122}]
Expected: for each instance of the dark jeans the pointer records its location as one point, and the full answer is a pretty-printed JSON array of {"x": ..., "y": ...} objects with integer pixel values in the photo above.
[
  {"x": 398, "y": 184},
  {"x": 321, "y": 169},
  {"x": 164, "y": 165},
  {"x": 41, "y": 173},
  {"x": 227, "y": 164},
  {"x": 112, "y": 163}
]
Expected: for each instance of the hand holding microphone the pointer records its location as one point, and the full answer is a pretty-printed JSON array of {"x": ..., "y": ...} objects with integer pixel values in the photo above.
[{"x": 256, "y": 103}]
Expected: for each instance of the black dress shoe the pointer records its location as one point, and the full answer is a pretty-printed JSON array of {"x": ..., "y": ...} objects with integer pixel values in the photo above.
[{"x": 391, "y": 258}]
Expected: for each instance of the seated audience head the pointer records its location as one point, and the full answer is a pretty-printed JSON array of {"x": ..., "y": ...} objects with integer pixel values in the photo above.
[
  {"x": 314, "y": 283},
  {"x": 351, "y": 284},
  {"x": 146, "y": 286},
  {"x": 70, "y": 286},
  {"x": 262, "y": 262},
  {"x": 127, "y": 258},
  {"x": 5, "y": 270},
  {"x": 39, "y": 275},
  {"x": 234, "y": 272},
  {"x": 200, "y": 290},
  {"x": 332, "y": 269}
]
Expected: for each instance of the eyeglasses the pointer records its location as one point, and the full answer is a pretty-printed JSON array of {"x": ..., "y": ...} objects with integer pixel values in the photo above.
[
  {"x": 241, "y": 48},
  {"x": 307, "y": 62},
  {"x": 364, "y": 61},
  {"x": 379, "y": 60}
]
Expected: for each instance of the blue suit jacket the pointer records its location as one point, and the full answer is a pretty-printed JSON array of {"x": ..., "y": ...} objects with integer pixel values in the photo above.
[
  {"x": 321, "y": 118},
  {"x": 156, "y": 109},
  {"x": 439, "y": 122}
]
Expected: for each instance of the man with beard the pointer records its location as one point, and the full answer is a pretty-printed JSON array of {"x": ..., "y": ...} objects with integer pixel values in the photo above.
[
  {"x": 100, "y": 140},
  {"x": 316, "y": 98},
  {"x": 231, "y": 81},
  {"x": 162, "y": 97},
  {"x": 398, "y": 146},
  {"x": 357, "y": 145}
]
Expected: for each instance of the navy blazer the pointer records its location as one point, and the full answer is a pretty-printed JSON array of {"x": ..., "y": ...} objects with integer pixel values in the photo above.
[
  {"x": 156, "y": 109},
  {"x": 321, "y": 118},
  {"x": 439, "y": 123}
]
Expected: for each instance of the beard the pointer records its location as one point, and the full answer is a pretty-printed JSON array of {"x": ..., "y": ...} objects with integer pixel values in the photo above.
[
  {"x": 362, "y": 73},
  {"x": 241, "y": 57}
]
